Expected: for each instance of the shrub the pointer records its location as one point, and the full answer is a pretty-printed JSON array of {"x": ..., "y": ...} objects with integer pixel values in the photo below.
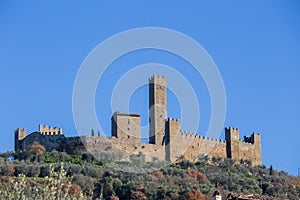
[
  {"x": 37, "y": 149},
  {"x": 56, "y": 186},
  {"x": 86, "y": 183},
  {"x": 7, "y": 169}
]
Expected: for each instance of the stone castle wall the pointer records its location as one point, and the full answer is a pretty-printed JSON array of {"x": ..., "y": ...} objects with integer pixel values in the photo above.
[
  {"x": 177, "y": 144},
  {"x": 45, "y": 130},
  {"x": 237, "y": 149},
  {"x": 166, "y": 140},
  {"x": 189, "y": 145},
  {"x": 50, "y": 142}
]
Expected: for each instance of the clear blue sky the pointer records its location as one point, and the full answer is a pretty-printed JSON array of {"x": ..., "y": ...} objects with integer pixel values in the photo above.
[{"x": 255, "y": 44}]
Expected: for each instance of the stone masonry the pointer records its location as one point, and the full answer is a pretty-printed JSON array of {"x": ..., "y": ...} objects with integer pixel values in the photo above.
[{"x": 166, "y": 140}]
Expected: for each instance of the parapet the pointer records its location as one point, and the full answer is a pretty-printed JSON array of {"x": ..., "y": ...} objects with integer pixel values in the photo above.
[
  {"x": 172, "y": 120},
  {"x": 231, "y": 129},
  {"x": 22, "y": 130},
  {"x": 117, "y": 113},
  {"x": 161, "y": 80},
  {"x": 20, "y": 133},
  {"x": 189, "y": 135},
  {"x": 45, "y": 130}
]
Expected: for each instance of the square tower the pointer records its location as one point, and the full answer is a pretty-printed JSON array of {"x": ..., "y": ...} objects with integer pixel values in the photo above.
[
  {"x": 20, "y": 134},
  {"x": 232, "y": 137},
  {"x": 172, "y": 141},
  {"x": 157, "y": 108},
  {"x": 126, "y": 126}
]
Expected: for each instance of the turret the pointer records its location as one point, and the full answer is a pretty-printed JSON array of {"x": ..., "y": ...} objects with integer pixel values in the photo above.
[
  {"x": 172, "y": 131},
  {"x": 232, "y": 137},
  {"x": 20, "y": 134},
  {"x": 257, "y": 151},
  {"x": 157, "y": 108}
]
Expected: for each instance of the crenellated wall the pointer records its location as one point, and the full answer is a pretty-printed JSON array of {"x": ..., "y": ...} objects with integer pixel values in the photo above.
[
  {"x": 166, "y": 140},
  {"x": 45, "y": 130},
  {"x": 177, "y": 144},
  {"x": 190, "y": 145},
  {"x": 237, "y": 149}
]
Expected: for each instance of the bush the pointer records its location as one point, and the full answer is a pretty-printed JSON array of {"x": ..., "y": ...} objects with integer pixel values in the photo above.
[
  {"x": 73, "y": 169},
  {"x": 7, "y": 169},
  {"x": 86, "y": 183},
  {"x": 44, "y": 171}
]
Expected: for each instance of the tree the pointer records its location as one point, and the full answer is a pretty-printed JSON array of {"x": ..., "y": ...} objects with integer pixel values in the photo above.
[
  {"x": 72, "y": 189},
  {"x": 137, "y": 195},
  {"x": 118, "y": 155},
  {"x": 193, "y": 195},
  {"x": 271, "y": 171},
  {"x": 7, "y": 169},
  {"x": 180, "y": 158},
  {"x": 87, "y": 156},
  {"x": 113, "y": 197},
  {"x": 86, "y": 183},
  {"x": 37, "y": 149},
  {"x": 203, "y": 158},
  {"x": 195, "y": 174}
]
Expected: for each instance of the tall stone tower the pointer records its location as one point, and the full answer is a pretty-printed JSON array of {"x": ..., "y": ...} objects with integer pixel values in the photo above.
[
  {"x": 172, "y": 129},
  {"x": 157, "y": 108},
  {"x": 232, "y": 137},
  {"x": 20, "y": 134}
]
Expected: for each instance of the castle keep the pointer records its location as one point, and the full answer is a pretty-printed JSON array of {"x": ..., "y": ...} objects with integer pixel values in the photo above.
[{"x": 166, "y": 140}]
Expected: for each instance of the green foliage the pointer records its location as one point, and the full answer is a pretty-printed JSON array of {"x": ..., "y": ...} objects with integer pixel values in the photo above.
[
  {"x": 175, "y": 181},
  {"x": 76, "y": 160},
  {"x": 86, "y": 183}
]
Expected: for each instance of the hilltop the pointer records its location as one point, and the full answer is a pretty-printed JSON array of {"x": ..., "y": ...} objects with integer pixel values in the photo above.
[{"x": 82, "y": 175}]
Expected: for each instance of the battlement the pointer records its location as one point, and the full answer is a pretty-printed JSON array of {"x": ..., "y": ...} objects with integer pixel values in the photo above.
[
  {"x": 232, "y": 129},
  {"x": 172, "y": 120},
  {"x": 189, "y": 135},
  {"x": 49, "y": 130},
  {"x": 157, "y": 77},
  {"x": 20, "y": 133},
  {"x": 252, "y": 139}
]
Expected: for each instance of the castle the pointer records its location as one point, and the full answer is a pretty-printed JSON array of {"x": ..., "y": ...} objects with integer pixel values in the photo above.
[{"x": 166, "y": 140}]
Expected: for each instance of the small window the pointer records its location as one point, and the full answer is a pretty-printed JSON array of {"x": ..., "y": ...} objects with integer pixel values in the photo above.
[
  {"x": 128, "y": 129},
  {"x": 128, "y": 136},
  {"x": 128, "y": 121},
  {"x": 160, "y": 116}
]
